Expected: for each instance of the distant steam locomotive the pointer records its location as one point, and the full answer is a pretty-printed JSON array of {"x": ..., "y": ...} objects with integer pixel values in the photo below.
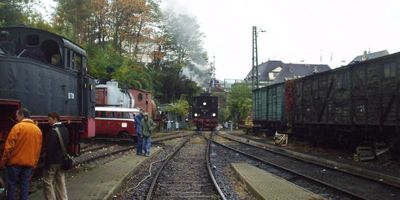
[{"x": 205, "y": 111}]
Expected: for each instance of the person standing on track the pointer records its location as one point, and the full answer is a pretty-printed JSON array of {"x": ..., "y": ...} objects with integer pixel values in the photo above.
[
  {"x": 53, "y": 174},
  {"x": 138, "y": 127},
  {"x": 147, "y": 127},
  {"x": 21, "y": 154}
]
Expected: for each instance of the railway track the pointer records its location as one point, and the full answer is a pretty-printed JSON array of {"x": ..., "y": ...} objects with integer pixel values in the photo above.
[
  {"x": 95, "y": 151},
  {"x": 186, "y": 174},
  {"x": 95, "y": 147},
  {"x": 350, "y": 185},
  {"x": 101, "y": 152}
]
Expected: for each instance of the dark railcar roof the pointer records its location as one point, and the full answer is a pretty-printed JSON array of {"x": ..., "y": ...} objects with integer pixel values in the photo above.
[{"x": 23, "y": 30}]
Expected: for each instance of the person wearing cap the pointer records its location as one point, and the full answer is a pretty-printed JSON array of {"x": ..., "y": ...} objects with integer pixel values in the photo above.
[
  {"x": 138, "y": 128},
  {"x": 147, "y": 127}
]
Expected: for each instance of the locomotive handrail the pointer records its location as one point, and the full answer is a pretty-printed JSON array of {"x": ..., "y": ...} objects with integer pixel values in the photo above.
[{"x": 22, "y": 52}]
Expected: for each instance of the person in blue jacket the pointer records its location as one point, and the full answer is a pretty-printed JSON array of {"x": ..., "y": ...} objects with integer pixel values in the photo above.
[{"x": 138, "y": 127}]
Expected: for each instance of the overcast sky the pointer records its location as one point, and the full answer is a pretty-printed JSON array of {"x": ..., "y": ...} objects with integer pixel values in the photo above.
[
  {"x": 308, "y": 31},
  {"x": 297, "y": 30}
]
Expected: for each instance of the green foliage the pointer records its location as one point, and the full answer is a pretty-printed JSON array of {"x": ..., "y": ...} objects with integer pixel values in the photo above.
[
  {"x": 179, "y": 107},
  {"x": 71, "y": 19},
  {"x": 103, "y": 61},
  {"x": 11, "y": 13},
  {"x": 239, "y": 102},
  {"x": 16, "y": 12},
  {"x": 133, "y": 75},
  {"x": 173, "y": 84}
]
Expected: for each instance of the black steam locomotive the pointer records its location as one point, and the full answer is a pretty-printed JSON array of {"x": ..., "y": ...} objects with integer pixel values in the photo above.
[
  {"x": 44, "y": 73},
  {"x": 205, "y": 111}
]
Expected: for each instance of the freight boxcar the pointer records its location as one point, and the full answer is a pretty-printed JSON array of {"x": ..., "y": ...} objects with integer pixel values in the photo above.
[
  {"x": 354, "y": 103},
  {"x": 269, "y": 108}
]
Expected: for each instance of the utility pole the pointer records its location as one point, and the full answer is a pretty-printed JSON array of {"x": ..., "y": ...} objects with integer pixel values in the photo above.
[
  {"x": 212, "y": 75},
  {"x": 254, "y": 70}
]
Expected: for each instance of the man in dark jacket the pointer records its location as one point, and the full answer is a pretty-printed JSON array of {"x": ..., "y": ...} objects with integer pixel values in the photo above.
[
  {"x": 54, "y": 175},
  {"x": 138, "y": 127},
  {"x": 147, "y": 127}
]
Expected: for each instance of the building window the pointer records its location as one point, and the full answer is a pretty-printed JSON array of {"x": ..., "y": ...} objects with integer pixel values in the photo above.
[
  {"x": 274, "y": 73},
  {"x": 140, "y": 96}
]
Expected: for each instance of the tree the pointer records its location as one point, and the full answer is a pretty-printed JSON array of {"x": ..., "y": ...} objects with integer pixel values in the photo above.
[
  {"x": 134, "y": 75},
  {"x": 103, "y": 61},
  {"x": 239, "y": 102},
  {"x": 16, "y": 12},
  {"x": 72, "y": 19},
  {"x": 11, "y": 13},
  {"x": 179, "y": 107},
  {"x": 172, "y": 84}
]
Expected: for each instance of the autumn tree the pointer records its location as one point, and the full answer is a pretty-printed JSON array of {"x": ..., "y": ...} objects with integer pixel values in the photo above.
[{"x": 72, "y": 19}]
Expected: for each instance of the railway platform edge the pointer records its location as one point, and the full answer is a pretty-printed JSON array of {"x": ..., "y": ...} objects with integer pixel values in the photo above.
[
  {"x": 100, "y": 182},
  {"x": 264, "y": 185}
]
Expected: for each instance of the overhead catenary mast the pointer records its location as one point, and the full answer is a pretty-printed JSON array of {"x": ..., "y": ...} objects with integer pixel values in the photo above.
[
  {"x": 212, "y": 75},
  {"x": 254, "y": 70}
]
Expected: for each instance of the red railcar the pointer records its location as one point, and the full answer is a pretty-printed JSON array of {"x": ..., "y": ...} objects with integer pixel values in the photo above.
[{"x": 115, "y": 122}]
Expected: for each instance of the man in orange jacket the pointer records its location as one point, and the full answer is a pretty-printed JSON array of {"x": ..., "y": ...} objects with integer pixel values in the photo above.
[{"x": 21, "y": 153}]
